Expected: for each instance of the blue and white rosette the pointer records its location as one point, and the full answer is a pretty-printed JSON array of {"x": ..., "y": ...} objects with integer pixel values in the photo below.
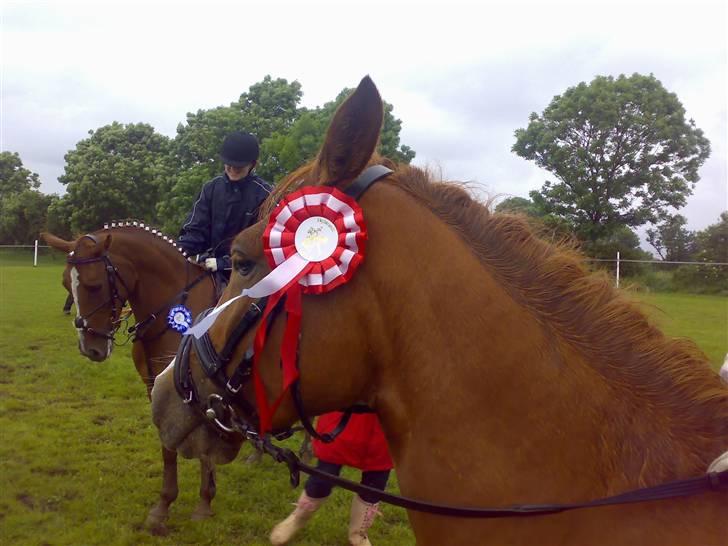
[{"x": 179, "y": 318}]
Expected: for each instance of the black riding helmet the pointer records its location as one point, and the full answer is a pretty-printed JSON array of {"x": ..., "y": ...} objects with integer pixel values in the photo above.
[{"x": 239, "y": 149}]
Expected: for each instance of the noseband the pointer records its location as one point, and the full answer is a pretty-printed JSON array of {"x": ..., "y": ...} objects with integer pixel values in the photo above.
[
  {"x": 112, "y": 273},
  {"x": 219, "y": 409}
]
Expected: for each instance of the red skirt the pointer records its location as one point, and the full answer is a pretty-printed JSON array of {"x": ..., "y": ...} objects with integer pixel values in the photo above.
[{"x": 360, "y": 445}]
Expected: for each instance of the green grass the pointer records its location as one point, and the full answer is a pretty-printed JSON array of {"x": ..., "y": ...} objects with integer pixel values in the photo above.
[
  {"x": 703, "y": 319},
  {"x": 80, "y": 459},
  {"x": 79, "y": 456}
]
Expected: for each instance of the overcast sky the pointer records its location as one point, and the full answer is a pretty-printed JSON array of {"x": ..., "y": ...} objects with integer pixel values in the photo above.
[{"x": 462, "y": 76}]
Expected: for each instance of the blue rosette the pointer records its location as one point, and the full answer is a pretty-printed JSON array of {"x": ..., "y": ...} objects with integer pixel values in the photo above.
[{"x": 179, "y": 318}]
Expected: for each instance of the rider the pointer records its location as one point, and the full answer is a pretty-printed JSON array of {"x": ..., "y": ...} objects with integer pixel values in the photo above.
[{"x": 227, "y": 204}]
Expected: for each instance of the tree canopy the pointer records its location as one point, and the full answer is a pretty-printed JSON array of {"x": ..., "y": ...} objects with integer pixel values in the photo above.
[
  {"x": 621, "y": 149},
  {"x": 672, "y": 240},
  {"x": 23, "y": 207},
  {"x": 115, "y": 173},
  {"x": 14, "y": 178}
]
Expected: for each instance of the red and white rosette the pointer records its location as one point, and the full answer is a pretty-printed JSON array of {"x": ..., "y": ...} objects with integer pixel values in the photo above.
[
  {"x": 314, "y": 242},
  {"x": 315, "y": 237}
]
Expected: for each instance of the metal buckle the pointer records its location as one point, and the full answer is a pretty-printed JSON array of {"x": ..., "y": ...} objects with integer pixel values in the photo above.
[{"x": 231, "y": 389}]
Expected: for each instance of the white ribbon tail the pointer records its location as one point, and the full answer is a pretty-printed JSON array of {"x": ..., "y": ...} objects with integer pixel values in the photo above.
[
  {"x": 274, "y": 281},
  {"x": 277, "y": 279},
  {"x": 201, "y": 327}
]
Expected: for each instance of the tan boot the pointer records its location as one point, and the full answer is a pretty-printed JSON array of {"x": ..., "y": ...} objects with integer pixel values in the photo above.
[
  {"x": 362, "y": 517},
  {"x": 305, "y": 508}
]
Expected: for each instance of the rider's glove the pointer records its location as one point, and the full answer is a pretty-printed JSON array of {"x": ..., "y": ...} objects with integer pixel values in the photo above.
[{"x": 211, "y": 264}]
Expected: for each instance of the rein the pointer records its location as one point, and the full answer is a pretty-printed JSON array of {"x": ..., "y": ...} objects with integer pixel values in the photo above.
[{"x": 711, "y": 482}]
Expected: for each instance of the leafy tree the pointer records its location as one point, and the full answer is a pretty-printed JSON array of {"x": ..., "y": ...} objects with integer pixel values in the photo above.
[
  {"x": 284, "y": 152},
  {"x": 622, "y": 152},
  {"x": 267, "y": 108},
  {"x": 115, "y": 173},
  {"x": 550, "y": 225},
  {"x": 712, "y": 244},
  {"x": 289, "y": 136},
  {"x": 22, "y": 206},
  {"x": 672, "y": 240},
  {"x": 14, "y": 178},
  {"x": 23, "y": 216},
  {"x": 623, "y": 240}
]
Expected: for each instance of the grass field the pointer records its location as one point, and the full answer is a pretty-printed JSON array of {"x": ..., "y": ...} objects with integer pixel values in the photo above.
[{"x": 79, "y": 457}]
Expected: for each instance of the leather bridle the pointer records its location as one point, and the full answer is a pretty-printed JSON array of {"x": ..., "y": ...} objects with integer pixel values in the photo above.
[
  {"x": 112, "y": 274},
  {"x": 136, "y": 331}
]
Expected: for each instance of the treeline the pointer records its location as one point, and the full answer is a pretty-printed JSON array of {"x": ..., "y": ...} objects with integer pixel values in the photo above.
[
  {"x": 131, "y": 171},
  {"x": 622, "y": 153}
]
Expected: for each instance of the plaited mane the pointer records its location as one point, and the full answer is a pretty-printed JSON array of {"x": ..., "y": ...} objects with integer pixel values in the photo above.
[{"x": 138, "y": 225}]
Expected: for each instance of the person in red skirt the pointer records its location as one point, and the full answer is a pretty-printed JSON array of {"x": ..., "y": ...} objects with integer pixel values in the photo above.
[{"x": 361, "y": 445}]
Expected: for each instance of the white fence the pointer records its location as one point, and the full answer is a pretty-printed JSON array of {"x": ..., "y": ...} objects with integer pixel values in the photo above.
[
  {"x": 35, "y": 246},
  {"x": 617, "y": 260}
]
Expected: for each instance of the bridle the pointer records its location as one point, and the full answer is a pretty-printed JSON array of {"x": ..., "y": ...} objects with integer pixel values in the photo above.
[
  {"x": 136, "y": 331},
  {"x": 112, "y": 274},
  {"x": 220, "y": 409}
]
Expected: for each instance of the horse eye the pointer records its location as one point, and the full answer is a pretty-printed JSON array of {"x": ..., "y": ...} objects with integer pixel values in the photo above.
[{"x": 244, "y": 267}]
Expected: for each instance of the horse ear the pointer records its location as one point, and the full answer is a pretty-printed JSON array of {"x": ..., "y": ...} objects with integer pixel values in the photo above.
[
  {"x": 57, "y": 242},
  {"x": 107, "y": 242},
  {"x": 352, "y": 135}
]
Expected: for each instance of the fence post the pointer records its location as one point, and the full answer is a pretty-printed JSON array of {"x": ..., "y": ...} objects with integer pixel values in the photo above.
[
  {"x": 618, "y": 269},
  {"x": 35, "y": 254}
]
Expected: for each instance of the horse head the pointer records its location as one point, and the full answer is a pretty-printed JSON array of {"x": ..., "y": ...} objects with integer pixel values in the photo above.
[{"x": 100, "y": 287}]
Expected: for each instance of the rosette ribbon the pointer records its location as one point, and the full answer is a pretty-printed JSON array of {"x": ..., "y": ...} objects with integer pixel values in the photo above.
[{"x": 314, "y": 242}]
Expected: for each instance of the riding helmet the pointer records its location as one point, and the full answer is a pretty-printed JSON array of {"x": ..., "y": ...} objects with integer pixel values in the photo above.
[{"x": 239, "y": 149}]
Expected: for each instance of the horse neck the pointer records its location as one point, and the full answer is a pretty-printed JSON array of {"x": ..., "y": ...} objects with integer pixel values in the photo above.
[
  {"x": 159, "y": 270},
  {"x": 464, "y": 364}
]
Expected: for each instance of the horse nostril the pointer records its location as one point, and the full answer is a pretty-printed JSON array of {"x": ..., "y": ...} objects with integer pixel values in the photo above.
[{"x": 95, "y": 354}]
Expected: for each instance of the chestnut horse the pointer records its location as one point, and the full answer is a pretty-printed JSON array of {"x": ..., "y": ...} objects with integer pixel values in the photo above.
[
  {"x": 503, "y": 372},
  {"x": 151, "y": 274}
]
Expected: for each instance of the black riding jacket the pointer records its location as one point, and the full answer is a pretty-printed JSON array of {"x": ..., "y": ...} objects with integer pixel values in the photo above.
[{"x": 221, "y": 211}]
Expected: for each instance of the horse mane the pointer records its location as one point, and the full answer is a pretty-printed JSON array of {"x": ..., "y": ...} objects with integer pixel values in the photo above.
[
  {"x": 579, "y": 306},
  {"x": 142, "y": 227}
]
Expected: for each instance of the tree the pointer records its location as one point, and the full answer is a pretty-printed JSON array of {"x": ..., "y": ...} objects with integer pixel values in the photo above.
[
  {"x": 622, "y": 152},
  {"x": 22, "y": 206},
  {"x": 115, "y": 173},
  {"x": 14, "y": 178},
  {"x": 268, "y": 108},
  {"x": 712, "y": 242},
  {"x": 289, "y": 136},
  {"x": 712, "y": 246},
  {"x": 23, "y": 216},
  {"x": 549, "y": 225},
  {"x": 286, "y": 151},
  {"x": 672, "y": 240}
]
